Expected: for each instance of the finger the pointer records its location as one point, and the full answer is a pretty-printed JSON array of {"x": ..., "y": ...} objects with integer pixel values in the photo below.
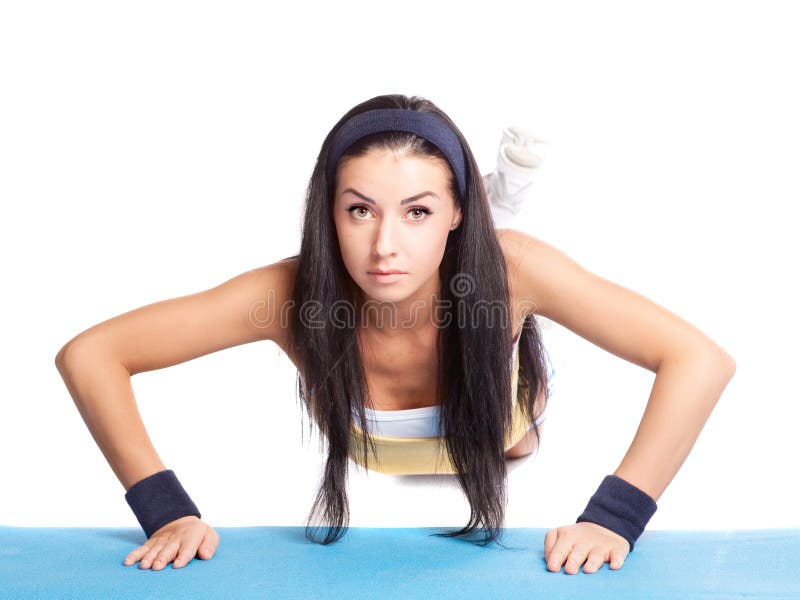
[
  {"x": 549, "y": 541},
  {"x": 185, "y": 556},
  {"x": 576, "y": 558},
  {"x": 136, "y": 554},
  {"x": 595, "y": 560},
  {"x": 189, "y": 548},
  {"x": 168, "y": 552},
  {"x": 149, "y": 557},
  {"x": 209, "y": 545},
  {"x": 617, "y": 559},
  {"x": 558, "y": 554}
]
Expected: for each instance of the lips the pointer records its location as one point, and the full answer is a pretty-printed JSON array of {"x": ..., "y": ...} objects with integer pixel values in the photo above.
[{"x": 386, "y": 272}]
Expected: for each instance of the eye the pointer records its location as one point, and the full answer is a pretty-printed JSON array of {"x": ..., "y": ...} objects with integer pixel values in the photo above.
[
  {"x": 352, "y": 209},
  {"x": 416, "y": 209},
  {"x": 423, "y": 210}
]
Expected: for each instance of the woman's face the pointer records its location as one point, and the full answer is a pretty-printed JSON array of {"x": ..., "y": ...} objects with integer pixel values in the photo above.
[{"x": 393, "y": 212}]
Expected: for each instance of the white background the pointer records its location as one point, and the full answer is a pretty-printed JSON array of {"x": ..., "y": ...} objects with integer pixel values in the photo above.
[{"x": 154, "y": 149}]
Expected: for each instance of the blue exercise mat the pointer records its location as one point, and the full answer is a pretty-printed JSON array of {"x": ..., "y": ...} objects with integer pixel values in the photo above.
[{"x": 279, "y": 562}]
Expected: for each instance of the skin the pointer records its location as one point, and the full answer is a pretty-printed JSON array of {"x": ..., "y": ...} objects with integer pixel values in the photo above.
[
  {"x": 376, "y": 232},
  {"x": 382, "y": 235},
  {"x": 691, "y": 369},
  {"x": 178, "y": 542}
]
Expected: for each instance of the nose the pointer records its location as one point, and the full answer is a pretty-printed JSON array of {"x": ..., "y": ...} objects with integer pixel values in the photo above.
[{"x": 385, "y": 239}]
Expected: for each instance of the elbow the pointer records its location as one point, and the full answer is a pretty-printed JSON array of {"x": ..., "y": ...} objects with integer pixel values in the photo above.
[
  {"x": 714, "y": 360},
  {"x": 70, "y": 353},
  {"x": 727, "y": 364},
  {"x": 81, "y": 353},
  {"x": 730, "y": 364},
  {"x": 726, "y": 360},
  {"x": 61, "y": 357},
  {"x": 65, "y": 359}
]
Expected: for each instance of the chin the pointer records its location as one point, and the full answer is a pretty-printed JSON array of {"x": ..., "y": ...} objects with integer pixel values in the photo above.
[
  {"x": 396, "y": 292},
  {"x": 384, "y": 295}
]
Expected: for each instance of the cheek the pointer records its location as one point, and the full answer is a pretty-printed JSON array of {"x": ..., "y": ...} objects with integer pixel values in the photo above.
[
  {"x": 350, "y": 256},
  {"x": 347, "y": 243},
  {"x": 429, "y": 251}
]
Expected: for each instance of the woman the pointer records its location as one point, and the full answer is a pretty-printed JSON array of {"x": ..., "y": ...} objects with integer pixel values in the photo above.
[{"x": 396, "y": 188}]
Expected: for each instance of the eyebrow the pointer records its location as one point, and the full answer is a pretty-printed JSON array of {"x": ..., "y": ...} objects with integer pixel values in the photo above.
[{"x": 402, "y": 202}]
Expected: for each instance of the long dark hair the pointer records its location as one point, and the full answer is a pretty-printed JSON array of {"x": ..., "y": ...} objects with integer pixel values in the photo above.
[{"x": 474, "y": 382}]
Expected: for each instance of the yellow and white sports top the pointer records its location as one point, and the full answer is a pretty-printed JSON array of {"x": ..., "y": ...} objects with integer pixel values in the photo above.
[{"x": 407, "y": 441}]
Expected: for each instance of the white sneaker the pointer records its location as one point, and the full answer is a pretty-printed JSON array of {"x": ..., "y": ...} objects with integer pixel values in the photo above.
[
  {"x": 520, "y": 136},
  {"x": 509, "y": 186}
]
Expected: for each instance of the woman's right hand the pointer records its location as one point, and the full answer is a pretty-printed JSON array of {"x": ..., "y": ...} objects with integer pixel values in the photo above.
[{"x": 179, "y": 540}]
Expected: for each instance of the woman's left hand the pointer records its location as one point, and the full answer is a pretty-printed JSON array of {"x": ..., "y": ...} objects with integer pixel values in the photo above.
[{"x": 584, "y": 542}]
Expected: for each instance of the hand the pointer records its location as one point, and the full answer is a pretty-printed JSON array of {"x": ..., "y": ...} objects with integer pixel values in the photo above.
[
  {"x": 578, "y": 541},
  {"x": 182, "y": 538}
]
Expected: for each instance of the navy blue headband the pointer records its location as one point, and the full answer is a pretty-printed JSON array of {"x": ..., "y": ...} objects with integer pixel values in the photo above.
[{"x": 425, "y": 125}]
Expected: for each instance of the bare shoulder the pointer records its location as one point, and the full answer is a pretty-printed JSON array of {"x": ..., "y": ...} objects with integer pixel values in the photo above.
[
  {"x": 611, "y": 316},
  {"x": 269, "y": 291},
  {"x": 528, "y": 260}
]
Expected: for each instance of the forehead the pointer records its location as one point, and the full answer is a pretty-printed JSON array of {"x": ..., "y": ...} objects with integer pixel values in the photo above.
[{"x": 386, "y": 168}]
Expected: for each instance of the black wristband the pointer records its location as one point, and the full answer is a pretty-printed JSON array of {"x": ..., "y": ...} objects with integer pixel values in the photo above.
[
  {"x": 159, "y": 499},
  {"x": 621, "y": 507}
]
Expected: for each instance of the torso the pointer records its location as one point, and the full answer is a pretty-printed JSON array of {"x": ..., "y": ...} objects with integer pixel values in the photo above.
[{"x": 402, "y": 374}]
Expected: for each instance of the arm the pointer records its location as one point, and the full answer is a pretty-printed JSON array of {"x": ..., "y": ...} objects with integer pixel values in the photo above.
[
  {"x": 97, "y": 365},
  {"x": 691, "y": 369},
  {"x": 101, "y": 388},
  {"x": 685, "y": 391}
]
